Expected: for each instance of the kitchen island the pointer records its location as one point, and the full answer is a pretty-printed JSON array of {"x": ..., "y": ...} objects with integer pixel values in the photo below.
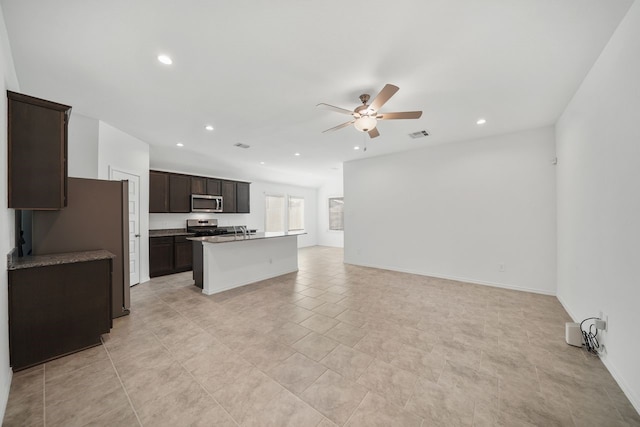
[{"x": 225, "y": 262}]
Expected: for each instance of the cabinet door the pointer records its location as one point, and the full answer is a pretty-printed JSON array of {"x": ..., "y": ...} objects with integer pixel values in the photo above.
[
  {"x": 158, "y": 192},
  {"x": 242, "y": 197},
  {"x": 213, "y": 187},
  {"x": 198, "y": 185},
  {"x": 183, "y": 254},
  {"x": 228, "y": 196},
  {"x": 37, "y": 160},
  {"x": 160, "y": 256},
  {"x": 56, "y": 310},
  {"x": 179, "y": 193}
]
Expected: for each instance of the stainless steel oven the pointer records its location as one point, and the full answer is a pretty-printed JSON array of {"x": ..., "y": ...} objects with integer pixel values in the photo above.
[{"x": 206, "y": 203}]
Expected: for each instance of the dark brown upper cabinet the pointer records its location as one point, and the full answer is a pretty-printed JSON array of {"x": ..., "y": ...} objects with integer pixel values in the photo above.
[
  {"x": 202, "y": 185},
  {"x": 171, "y": 192},
  {"x": 179, "y": 193},
  {"x": 228, "y": 196},
  {"x": 213, "y": 187},
  {"x": 37, "y": 163},
  {"x": 158, "y": 192},
  {"x": 198, "y": 185},
  {"x": 242, "y": 197}
]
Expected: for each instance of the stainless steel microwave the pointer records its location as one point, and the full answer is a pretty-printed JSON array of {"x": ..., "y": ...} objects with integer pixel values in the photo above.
[{"x": 206, "y": 203}]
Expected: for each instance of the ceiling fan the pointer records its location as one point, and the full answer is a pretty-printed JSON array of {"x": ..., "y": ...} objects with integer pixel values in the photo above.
[{"x": 366, "y": 116}]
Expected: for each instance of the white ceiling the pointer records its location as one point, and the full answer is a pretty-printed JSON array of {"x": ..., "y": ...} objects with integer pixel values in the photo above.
[{"x": 255, "y": 70}]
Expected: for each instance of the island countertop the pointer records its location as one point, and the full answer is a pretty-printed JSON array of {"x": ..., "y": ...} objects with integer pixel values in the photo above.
[
  {"x": 170, "y": 232},
  {"x": 241, "y": 237},
  {"x": 33, "y": 261}
]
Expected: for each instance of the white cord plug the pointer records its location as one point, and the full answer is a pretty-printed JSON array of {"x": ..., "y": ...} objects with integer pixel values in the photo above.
[{"x": 601, "y": 324}]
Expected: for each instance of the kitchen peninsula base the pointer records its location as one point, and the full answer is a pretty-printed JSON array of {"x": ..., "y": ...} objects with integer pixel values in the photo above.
[{"x": 222, "y": 263}]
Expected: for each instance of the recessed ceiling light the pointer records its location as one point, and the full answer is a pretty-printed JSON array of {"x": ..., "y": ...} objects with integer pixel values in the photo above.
[
  {"x": 356, "y": 148},
  {"x": 165, "y": 59},
  {"x": 180, "y": 144},
  {"x": 481, "y": 121},
  {"x": 208, "y": 127},
  {"x": 262, "y": 163},
  {"x": 296, "y": 154}
]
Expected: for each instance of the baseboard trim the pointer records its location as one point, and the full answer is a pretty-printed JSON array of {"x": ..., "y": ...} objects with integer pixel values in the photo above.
[
  {"x": 459, "y": 279},
  {"x": 635, "y": 401},
  {"x": 251, "y": 281}
]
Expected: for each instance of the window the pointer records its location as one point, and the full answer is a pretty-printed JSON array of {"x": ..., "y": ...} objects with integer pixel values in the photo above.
[
  {"x": 274, "y": 216},
  {"x": 296, "y": 213},
  {"x": 336, "y": 213}
]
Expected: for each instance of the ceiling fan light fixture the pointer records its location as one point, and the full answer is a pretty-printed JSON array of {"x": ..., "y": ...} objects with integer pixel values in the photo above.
[{"x": 365, "y": 123}]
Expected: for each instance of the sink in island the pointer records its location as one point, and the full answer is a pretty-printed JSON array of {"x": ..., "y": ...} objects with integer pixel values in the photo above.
[{"x": 225, "y": 262}]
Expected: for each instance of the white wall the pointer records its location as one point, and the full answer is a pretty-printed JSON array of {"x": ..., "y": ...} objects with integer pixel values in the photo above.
[
  {"x": 82, "y": 146},
  {"x": 256, "y": 219},
  {"x": 122, "y": 151},
  {"x": 326, "y": 237},
  {"x": 598, "y": 139},
  {"x": 7, "y": 235},
  {"x": 458, "y": 211}
]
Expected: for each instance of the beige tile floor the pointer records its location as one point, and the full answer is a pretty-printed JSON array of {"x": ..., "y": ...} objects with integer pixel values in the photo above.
[{"x": 333, "y": 344}]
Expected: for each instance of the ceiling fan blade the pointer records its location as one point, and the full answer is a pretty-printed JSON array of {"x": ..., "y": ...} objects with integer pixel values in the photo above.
[
  {"x": 344, "y": 125},
  {"x": 373, "y": 133},
  {"x": 387, "y": 92},
  {"x": 334, "y": 108},
  {"x": 402, "y": 115}
]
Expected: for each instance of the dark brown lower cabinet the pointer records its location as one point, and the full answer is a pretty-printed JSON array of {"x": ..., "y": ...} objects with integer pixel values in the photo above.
[
  {"x": 182, "y": 254},
  {"x": 160, "y": 256},
  {"x": 57, "y": 309},
  {"x": 169, "y": 255}
]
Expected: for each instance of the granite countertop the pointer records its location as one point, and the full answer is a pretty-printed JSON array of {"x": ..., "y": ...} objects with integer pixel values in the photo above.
[
  {"x": 33, "y": 261},
  {"x": 240, "y": 237},
  {"x": 170, "y": 232}
]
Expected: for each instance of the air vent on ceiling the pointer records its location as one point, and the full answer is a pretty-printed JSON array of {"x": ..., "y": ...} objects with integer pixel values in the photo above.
[
  {"x": 241, "y": 145},
  {"x": 419, "y": 134}
]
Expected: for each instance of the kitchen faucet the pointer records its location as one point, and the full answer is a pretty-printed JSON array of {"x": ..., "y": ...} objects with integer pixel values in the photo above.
[{"x": 243, "y": 228}]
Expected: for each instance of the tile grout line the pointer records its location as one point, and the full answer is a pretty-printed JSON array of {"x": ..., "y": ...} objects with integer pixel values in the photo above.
[
  {"x": 193, "y": 376},
  {"x": 230, "y": 349},
  {"x": 126, "y": 393},
  {"x": 184, "y": 368},
  {"x": 356, "y": 410}
]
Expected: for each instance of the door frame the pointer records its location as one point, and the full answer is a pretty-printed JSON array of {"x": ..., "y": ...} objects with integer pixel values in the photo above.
[{"x": 111, "y": 169}]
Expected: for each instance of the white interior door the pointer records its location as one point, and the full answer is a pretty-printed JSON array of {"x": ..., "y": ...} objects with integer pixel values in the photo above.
[{"x": 134, "y": 221}]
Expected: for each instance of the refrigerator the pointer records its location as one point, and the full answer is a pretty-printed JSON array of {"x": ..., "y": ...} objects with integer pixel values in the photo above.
[{"x": 96, "y": 217}]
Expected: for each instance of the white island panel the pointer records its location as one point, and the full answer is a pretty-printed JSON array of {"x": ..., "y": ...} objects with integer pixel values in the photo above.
[{"x": 238, "y": 263}]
